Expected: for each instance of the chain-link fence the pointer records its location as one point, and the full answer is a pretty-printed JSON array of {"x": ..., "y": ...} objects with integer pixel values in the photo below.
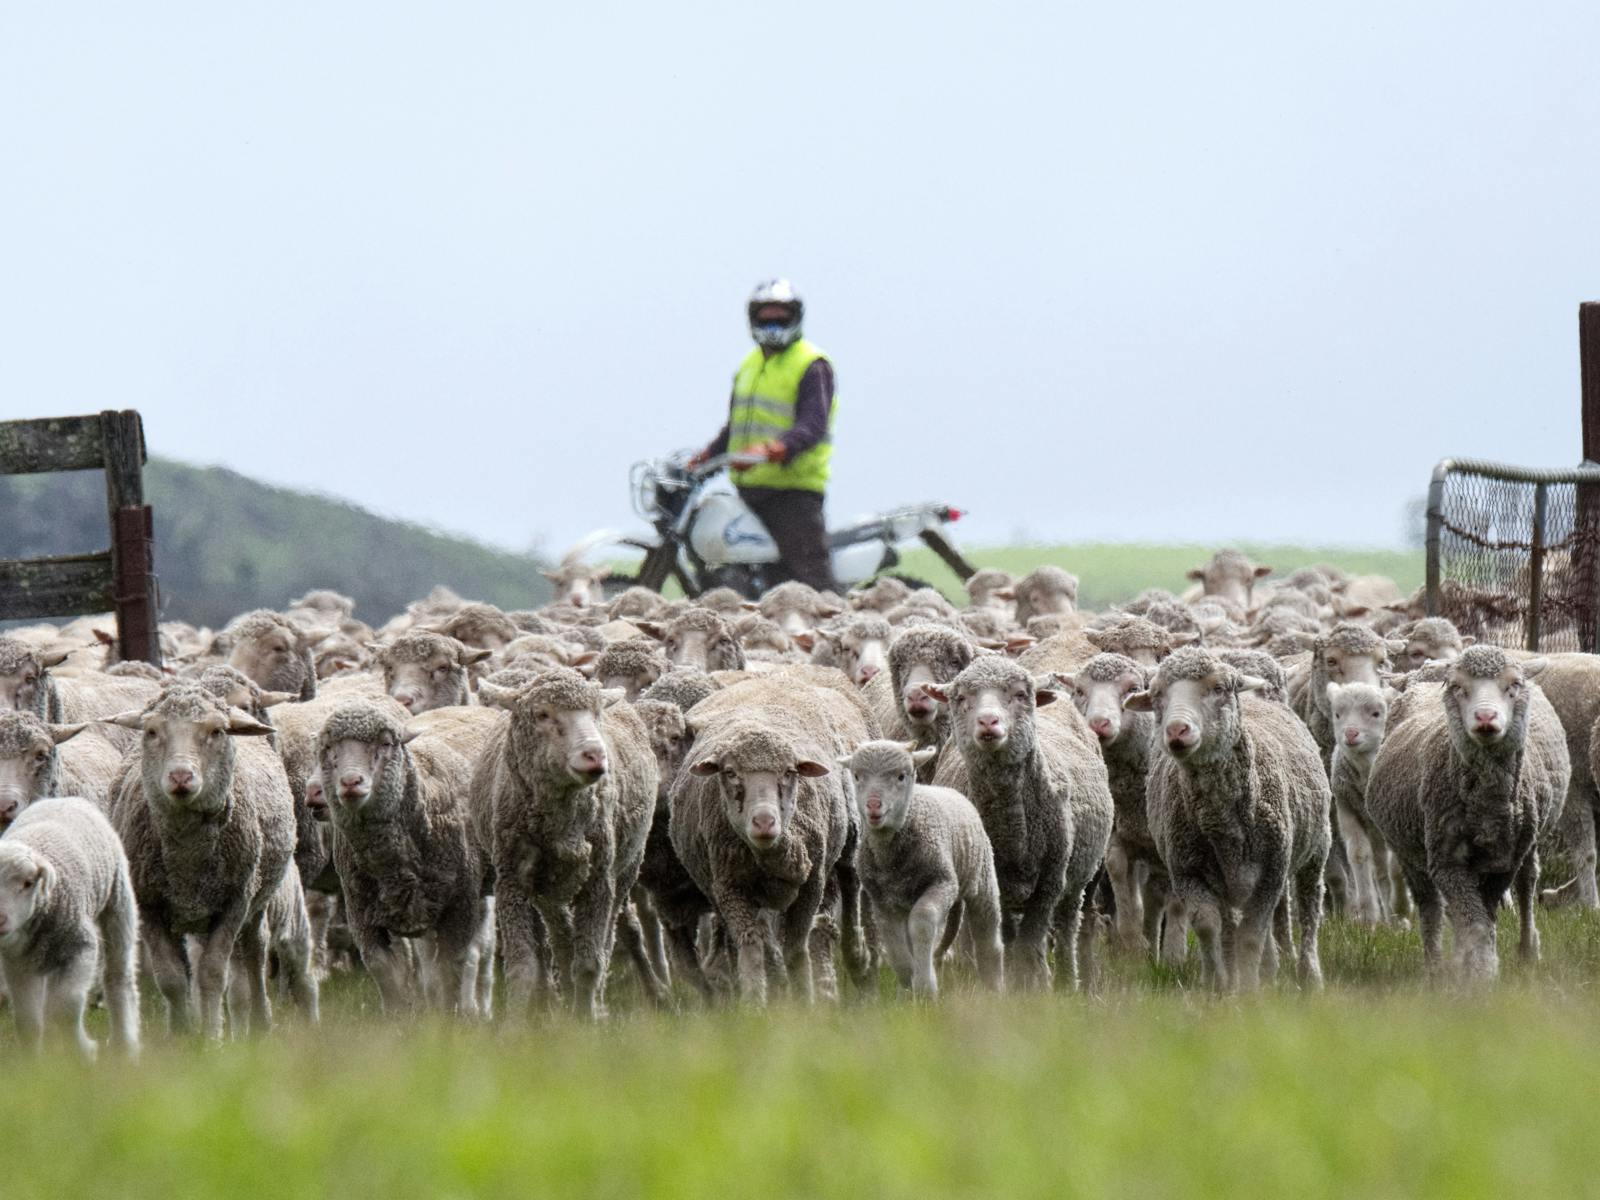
[{"x": 1514, "y": 553}]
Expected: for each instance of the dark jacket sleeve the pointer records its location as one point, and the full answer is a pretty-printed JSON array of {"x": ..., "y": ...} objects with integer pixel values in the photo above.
[
  {"x": 812, "y": 408},
  {"x": 719, "y": 444}
]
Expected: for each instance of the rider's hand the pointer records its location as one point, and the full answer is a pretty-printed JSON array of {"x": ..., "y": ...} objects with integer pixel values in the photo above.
[
  {"x": 773, "y": 451},
  {"x": 697, "y": 460}
]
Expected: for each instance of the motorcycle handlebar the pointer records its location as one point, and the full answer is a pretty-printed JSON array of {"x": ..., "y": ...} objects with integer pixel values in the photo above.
[{"x": 718, "y": 462}]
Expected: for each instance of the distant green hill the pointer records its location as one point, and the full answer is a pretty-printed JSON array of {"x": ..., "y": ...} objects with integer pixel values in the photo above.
[{"x": 226, "y": 544}]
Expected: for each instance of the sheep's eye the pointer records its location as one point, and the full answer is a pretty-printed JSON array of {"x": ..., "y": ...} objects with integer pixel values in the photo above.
[
  {"x": 901, "y": 778},
  {"x": 42, "y": 757},
  {"x": 29, "y": 884},
  {"x": 1375, "y": 714},
  {"x": 150, "y": 734}
]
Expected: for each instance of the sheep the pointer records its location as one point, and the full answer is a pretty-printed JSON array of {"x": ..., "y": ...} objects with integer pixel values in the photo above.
[
  {"x": 856, "y": 643},
  {"x": 1348, "y": 653},
  {"x": 763, "y": 641},
  {"x": 405, "y": 854},
  {"x": 1360, "y": 717},
  {"x": 1264, "y": 667},
  {"x": 796, "y": 607},
  {"x": 1133, "y": 637},
  {"x": 630, "y": 666},
  {"x": 542, "y": 651},
  {"x": 880, "y": 595},
  {"x": 1098, "y": 690},
  {"x": 28, "y": 684},
  {"x": 722, "y": 600},
  {"x": 994, "y": 589},
  {"x": 681, "y": 686},
  {"x": 423, "y": 670},
  {"x": 926, "y": 864},
  {"x": 1043, "y": 591},
  {"x": 39, "y": 760},
  {"x": 986, "y": 624},
  {"x": 1571, "y": 682},
  {"x": 481, "y": 626},
  {"x": 760, "y": 828},
  {"x": 563, "y": 798},
  {"x": 1231, "y": 575},
  {"x": 208, "y": 822},
  {"x": 1432, "y": 639},
  {"x": 701, "y": 639},
  {"x": 1238, "y": 803},
  {"x": 288, "y": 934},
  {"x": 1470, "y": 775},
  {"x": 577, "y": 583},
  {"x": 636, "y": 601},
  {"x": 918, "y": 655},
  {"x": 1040, "y": 786},
  {"x": 67, "y": 917},
  {"x": 273, "y": 651}
]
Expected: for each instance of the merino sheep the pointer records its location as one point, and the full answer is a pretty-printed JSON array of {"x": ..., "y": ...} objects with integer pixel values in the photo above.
[
  {"x": 920, "y": 655},
  {"x": 578, "y": 583},
  {"x": 630, "y": 666},
  {"x": 1040, "y": 786},
  {"x": 926, "y": 864},
  {"x": 1238, "y": 804},
  {"x": 1469, "y": 777},
  {"x": 699, "y": 638},
  {"x": 880, "y": 595},
  {"x": 39, "y": 760},
  {"x": 29, "y": 684},
  {"x": 994, "y": 589},
  {"x": 273, "y": 651},
  {"x": 1231, "y": 575},
  {"x": 67, "y": 919},
  {"x": 1044, "y": 591},
  {"x": 563, "y": 798},
  {"x": 856, "y": 643},
  {"x": 1571, "y": 682},
  {"x": 481, "y": 626},
  {"x": 1432, "y": 639},
  {"x": 797, "y": 607},
  {"x": 209, "y": 826},
  {"x": 405, "y": 854},
  {"x": 423, "y": 671},
  {"x": 1360, "y": 718}
]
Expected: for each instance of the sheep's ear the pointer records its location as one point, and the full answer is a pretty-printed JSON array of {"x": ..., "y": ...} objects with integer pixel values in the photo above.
[
  {"x": 749, "y": 606},
  {"x": 652, "y": 629},
  {"x": 806, "y": 639},
  {"x": 469, "y": 655},
  {"x": 56, "y": 657},
  {"x": 1263, "y": 572},
  {"x": 1249, "y": 683},
  {"x": 132, "y": 719},
  {"x": 1138, "y": 702},
  {"x": 829, "y": 608},
  {"x": 495, "y": 695},
  {"x": 705, "y": 767},
  {"x": 60, "y": 733},
  {"x": 271, "y": 699},
  {"x": 1353, "y": 610},
  {"x": 242, "y": 724},
  {"x": 1534, "y": 666},
  {"x": 376, "y": 649},
  {"x": 1016, "y": 645},
  {"x": 585, "y": 663},
  {"x": 1197, "y": 575},
  {"x": 1004, "y": 593},
  {"x": 609, "y": 696},
  {"x": 936, "y": 691},
  {"x": 552, "y": 576},
  {"x": 810, "y": 770},
  {"x": 1044, "y": 691},
  {"x": 1468, "y": 639},
  {"x": 844, "y": 760},
  {"x": 1306, "y": 641},
  {"x": 409, "y": 735},
  {"x": 923, "y": 757},
  {"x": 1395, "y": 647}
]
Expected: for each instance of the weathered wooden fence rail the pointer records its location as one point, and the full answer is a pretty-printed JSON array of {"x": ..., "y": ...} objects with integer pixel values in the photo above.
[{"x": 120, "y": 579}]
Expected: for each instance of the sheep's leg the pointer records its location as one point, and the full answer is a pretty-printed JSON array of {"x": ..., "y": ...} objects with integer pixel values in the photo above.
[
  {"x": 654, "y": 933},
  {"x": 686, "y": 959},
  {"x": 1308, "y": 907},
  {"x": 1364, "y": 907},
  {"x": 1038, "y": 916},
  {"x": 798, "y": 922},
  {"x": 252, "y": 954},
  {"x": 27, "y": 1003},
  {"x": 1337, "y": 871},
  {"x": 485, "y": 945},
  {"x": 1279, "y": 945},
  {"x": 1577, "y": 829},
  {"x": 636, "y": 941},
  {"x": 119, "y": 947},
  {"x": 1205, "y": 913},
  {"x": 521, "y": 934},
  {"x": 1400, "y": 901},
  {"x": 390, "y": 966},
  {"x": 1527, "y": 891},
  {"x": 169, "y": 964},
  {"x": 296, "y": 959},
  {"x": 852, "y": 933},
  {"x": 1471, "y": 919},
  {"x": 924, "y": 925},
  {"x": 1430, "y": 914},
  {"x": 1069, "y": 919},
  {"x": 68, "y": 996},
  {"x": 1175, "y": 928},
  {"x": 211, "y": 973},
  {"x": 594, "y": 916},
  {"x": 749, "y": 935},
  {"x": 896, "y": 941},
  {"x": 1130, "y": 904},
  {"x": 1253, "y": 934},
  {"x": 983, "y": 922}
]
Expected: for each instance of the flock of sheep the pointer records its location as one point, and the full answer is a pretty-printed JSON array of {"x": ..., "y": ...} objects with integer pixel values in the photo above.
[{"x": 750, "y": 795}]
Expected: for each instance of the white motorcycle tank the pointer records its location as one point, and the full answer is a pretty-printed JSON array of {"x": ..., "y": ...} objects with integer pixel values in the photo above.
[{"x": 726, "y": 532}]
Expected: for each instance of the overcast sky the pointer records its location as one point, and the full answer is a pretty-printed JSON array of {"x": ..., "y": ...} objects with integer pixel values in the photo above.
[{"x": 1156, "y": 271}]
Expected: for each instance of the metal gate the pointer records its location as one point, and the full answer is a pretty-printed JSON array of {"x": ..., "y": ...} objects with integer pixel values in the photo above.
[{"x": 1512, "y": 553}]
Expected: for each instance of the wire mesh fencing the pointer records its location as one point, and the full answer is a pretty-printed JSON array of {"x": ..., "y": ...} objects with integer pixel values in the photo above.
[{"x": 1514, "y": 553}]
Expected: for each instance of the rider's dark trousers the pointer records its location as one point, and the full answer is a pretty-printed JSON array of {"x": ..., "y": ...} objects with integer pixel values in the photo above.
[{"x": 793, "y": 516}]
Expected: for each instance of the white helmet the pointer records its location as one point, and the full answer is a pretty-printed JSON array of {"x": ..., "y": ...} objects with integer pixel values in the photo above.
[{"x": 773, "y": 335}]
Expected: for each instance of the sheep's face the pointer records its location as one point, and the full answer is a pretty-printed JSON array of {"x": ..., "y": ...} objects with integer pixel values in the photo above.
[
  {"x": 919, "y": 704},
  {"x": 578, "y": 585},
  {"x": 631, "y": 683},
  {"x": 1044, "y": 600},
  {"x": 186, "y": 749},
  {"x": 356, "y": 768},
  {"x": 27, "y": 761},
  {"x": 669, "y": 738},
  {"x": 569, "y": 738},
  {"x": 1360, "y": 715},
  {"x": 759, "y": 802},
  {"x": 1490, "y": 709},
  {"x": 699, "y": 645},
  {"x": 861, "y": 657},
  {"x": 1229, "y": 576},
  {"x": 25, "y": 882},
  {"x": 1430, "y": 646},
  {"x": 1347, "y": 666},
  {"x": 23, "y": 682},
  {"x": 316, "y": 797},
  {"x": 1196, "y": 717},
  {"x": 433, "y": 680},
  {"x": 1100, "y": 701},
  {"x": 272, "y": 659},
  {"x": 993, "y": 712},
  {"x": 885, "y": 777}
]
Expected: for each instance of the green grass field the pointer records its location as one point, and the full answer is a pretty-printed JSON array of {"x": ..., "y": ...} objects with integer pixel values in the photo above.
[
  {"x": 1383, "y": 1085},
  {"x": 1109, "y": 573}
]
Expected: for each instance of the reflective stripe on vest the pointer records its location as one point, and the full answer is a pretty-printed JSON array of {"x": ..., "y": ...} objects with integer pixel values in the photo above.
[{"x": 765, "y": 391}]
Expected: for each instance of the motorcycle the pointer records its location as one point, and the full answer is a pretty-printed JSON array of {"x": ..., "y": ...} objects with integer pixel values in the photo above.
[{"x": 707, "y": 537}]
